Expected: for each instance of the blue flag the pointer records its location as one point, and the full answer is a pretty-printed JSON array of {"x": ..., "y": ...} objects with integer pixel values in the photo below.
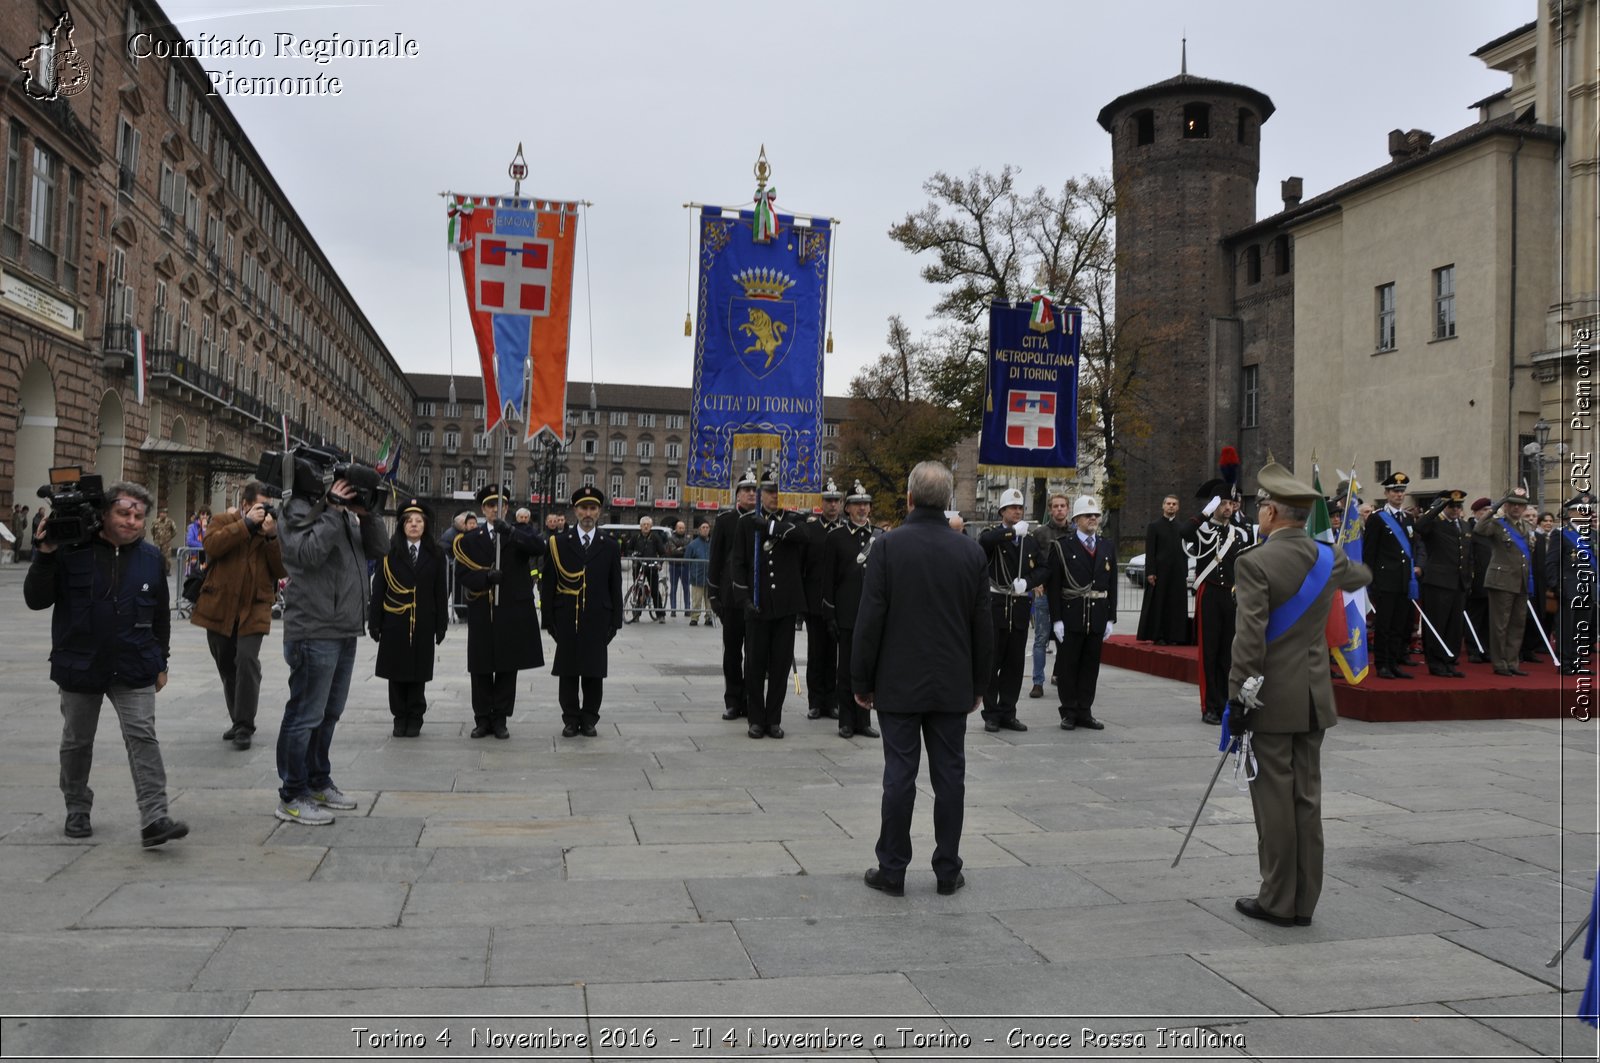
[{"x": 1030, "y": 411}]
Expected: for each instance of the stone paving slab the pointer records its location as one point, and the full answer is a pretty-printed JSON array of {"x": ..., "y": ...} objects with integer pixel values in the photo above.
[
  {"x": 570, "y": 830},
  {"x": 1544, "y": 1022},
  {"x": 1415, "y": 1032},
  {"x": 181, "y": 1024},
  {"x": 35, "y": 906},
  {"x": 289, "y": 904},
  {"x": 1240, "y": 838},
  {"x": 675, "y": 827},
  {"x": 1535, "y": 898},
  {"x": 214, "y": 863},
  {"x": 395, "y": 957},
  {"x": 36, "y": 863},
  {"x": 543, "y": 862},
  {"x": 1134, "y": 881},
  {"x": 1066, "y": 935},
  {"x": 1101, "y": 846},
  {"x": 759, "y": 859},
  {"x": 828, "y": 857},
  {"x": 1344, "y": 913},
  {"x": 554, "y": 903},
  {"x": 350, "y": 830},
  {"x": 665, "y": 952},
  {"x": 373, "y": 865},
  {"x": 431, "y": 805},
  {"x": 908, "y": 942},
  {"x": 1528, "y": 949},
  {"x": 1469, "y": 825},
  {"x": 105, "y": 959},
  {"x": 1422, "y": 864},
  {"x": 599, "y": 802}
]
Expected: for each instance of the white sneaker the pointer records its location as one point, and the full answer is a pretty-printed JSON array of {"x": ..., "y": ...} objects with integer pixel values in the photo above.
[
  {"x": 304, "y": 811},
  {"x": 333, "y": 797}
]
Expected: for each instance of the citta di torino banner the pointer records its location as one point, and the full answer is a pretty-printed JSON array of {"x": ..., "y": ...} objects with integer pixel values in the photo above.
[
  {"x": 1030, "y": 410},
  {"x": 759, "y": 353}
]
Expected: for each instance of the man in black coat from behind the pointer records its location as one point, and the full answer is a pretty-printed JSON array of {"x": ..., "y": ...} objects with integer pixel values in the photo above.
[
  {"x": 921, "y": 658},
  {"x": 581, "y": 587}
]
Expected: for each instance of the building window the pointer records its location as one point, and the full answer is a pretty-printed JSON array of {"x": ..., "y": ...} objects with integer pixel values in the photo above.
[
  {"x": 510, "y": 444},
  {"x": 452, "y": 440},
  {"x": 119, "y": 301},
  {"x": 1282, "y": 251},
  {"x": 618, "y": 418},
  {"x": 647, "y": 420},
  {"x": 561, "y": 488},
  {"x": 424, "y": 479},
  {"x": 1444, "y": 302},
  {"x": 10, "y": 236},
  {"x": 424, "y": 438},
  {"x": 1144, "y": 127},
  {"x": 591, "y": 417},
  {"x": 831, "y": 429},
  {"x": 618, "y": 449},
  {"x": 644, "y": 489},
  {"x": 69, "y": 235},
  {"x": 647, "y": 450},
  {"x": 1381, "y": 471},
  {"x": 830, "y": 458},
  {"x": 1252, "y": 264},
  {"x": 674, "y": 421},
  {"x": 42, "y": 206},
  {"x": 671, "y": 494},
  {"x": 1247, "y": 126},
  {"x": 1250, "y": 399},
  {"x": 616, "y": 487},
  {"x": 1386, "y": 317},
  {"x": 424, "y": 409},
  {"x": 449, "y": 481},
  {"x": 1430, "y": 468},
  {"x": 1196, "y": 121},
  {"x": 674, "y": 452},
  {"x": 479, "y": 478},
  {"x": 591, "y": 447},
  {"x": 127, "y": 157}
]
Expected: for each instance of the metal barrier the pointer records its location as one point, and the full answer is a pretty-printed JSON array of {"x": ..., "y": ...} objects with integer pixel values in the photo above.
[
  {"x": 676, "y": 584},
  {"x": 185, "y": 561}
]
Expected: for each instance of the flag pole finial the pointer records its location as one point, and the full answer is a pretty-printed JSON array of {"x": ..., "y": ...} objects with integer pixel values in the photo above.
[
  {"x": 517, "y": 171},
  {"x": 763, "y": 170}
]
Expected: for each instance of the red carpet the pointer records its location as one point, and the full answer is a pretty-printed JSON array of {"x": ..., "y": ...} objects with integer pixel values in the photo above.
[{"x": 1482, "y": 695}]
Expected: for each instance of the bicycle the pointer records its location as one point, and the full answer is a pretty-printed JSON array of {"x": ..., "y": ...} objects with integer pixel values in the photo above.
[{"x": 644, "y": 593}]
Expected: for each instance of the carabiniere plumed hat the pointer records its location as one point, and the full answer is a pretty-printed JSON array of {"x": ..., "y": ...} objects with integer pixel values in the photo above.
[
  {"x": 1396, "y": 481},
  {"x": 1582, "y": 500}
]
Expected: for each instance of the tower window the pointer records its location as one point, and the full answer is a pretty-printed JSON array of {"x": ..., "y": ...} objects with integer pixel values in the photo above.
[
  {"x": 1144, "y": 127},
  {"x": 1196, "y": 120},
  {"x": 1252, "y": 264},
  {"x": 1247, "y": 126},
  {"x": 1281, "y": 254}
]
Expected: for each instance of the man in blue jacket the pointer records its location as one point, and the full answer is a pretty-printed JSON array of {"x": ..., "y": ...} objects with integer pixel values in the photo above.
[{"x": 108, "y": 639}]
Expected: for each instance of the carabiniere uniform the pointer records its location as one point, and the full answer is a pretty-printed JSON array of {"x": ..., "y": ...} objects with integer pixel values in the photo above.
[
  {"x": 1009, "y": 559},
  {"x": 821, "y": 651},
  {"x": 1388, "y": 548},
  {"x": 844, "y": 563},
  {"x": 767, "y": 564},
  {"x": 1215, "y": 546}
]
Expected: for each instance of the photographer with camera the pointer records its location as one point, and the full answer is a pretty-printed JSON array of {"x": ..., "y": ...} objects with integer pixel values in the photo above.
[
  {"x": 108, "y": 639},
  {"x": 244, "y": 565},
  {"x": 326, "y": 546}
]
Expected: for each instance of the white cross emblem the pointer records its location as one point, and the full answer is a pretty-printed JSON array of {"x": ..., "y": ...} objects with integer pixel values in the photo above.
[{"x": 514, "y": 275}]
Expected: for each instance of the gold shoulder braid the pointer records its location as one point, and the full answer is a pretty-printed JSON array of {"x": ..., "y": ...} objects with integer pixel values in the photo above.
[
  {"x": 575, "y": 583},
  {"x": 395, "y": 600},
  {"x": 463, "y": 559}
]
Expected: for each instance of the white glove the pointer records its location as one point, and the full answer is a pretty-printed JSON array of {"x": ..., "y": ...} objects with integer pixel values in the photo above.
[
  {"x": 1211, "y": 506},
  {"x": 1111, "y": 628},
  {"x": 1021, "y": 528},
  {"x": 1059, "y": 630},
  {"x": 1019, "y": 585}
]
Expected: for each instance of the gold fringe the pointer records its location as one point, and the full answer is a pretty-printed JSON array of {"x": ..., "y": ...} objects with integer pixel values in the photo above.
[
  {"x": 688, "y": 328},
  {"x": 829, "y": 348},
  {"x": 463, "y": 559},
  {"x": 1016, "y": 472}
]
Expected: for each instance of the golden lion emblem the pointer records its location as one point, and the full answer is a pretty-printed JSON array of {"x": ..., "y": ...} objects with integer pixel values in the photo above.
[{"x": 767, "y": 332}]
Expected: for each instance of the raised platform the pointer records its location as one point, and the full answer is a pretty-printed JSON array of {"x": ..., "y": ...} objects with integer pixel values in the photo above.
[{"x": 1482, "y": 695}]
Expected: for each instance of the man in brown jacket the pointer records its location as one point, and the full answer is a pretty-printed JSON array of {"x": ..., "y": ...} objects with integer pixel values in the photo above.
[
  {"x": 1509, "y": 579},
  {"x": 1284, "y": 588},
  {"x": 243, "y": 566}
]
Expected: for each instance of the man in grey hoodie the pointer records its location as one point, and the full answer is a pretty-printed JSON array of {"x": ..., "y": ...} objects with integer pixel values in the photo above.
[{"x": 326, "y": 547}]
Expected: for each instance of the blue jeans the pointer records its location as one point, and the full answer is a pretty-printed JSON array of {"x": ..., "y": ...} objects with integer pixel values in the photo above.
[
  {"x": 678, "y": 578},
  {"x": 1041, "y": 636},
  {"x": 319, "y": 682}
]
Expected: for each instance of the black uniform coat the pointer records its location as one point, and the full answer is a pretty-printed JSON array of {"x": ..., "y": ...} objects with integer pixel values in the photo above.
[
  {"x": 408, "y": 610},
  {"x": 1164, "y": 614},
  {"x": 1007, "y": 561},
  {"x": 817, "y": 531},
  {"x": 501, "y": 637},
  {"x": 841, "y": 572},
  {"x": 1083, "y": 589},
  {"x": 768, "y": 584},
  {"x": 1448, "y": 543},
  {"x": 923, "y": 637},
  {"x": 1383, "y": 554},
  {"x": 717, "y": 576},
  {"x": 582, "y": 594}
]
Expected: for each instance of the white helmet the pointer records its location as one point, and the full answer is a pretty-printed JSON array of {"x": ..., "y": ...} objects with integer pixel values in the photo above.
[
  {"x": 1011, "y": 497},
  {"x": 1085, "y": 506}
]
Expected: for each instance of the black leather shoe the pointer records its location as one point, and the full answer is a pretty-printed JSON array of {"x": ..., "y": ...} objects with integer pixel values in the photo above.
[
  {"x": 481, "y": 731},
  {"x": 867, "y": 732},
  {"x": 1395, "y": 673},
  {"x": 162, "y": 831},
  {"x": 875, "y": 879},
  {"x": 78, "y": 825},
  {"x": 399, "y": 727},
  {"x": 1386, "y": 673},
  {"x": 813, "y": 714},
  {"x": 588, "y": 731},
  {"x": 1456, "y": 673},
  {"x": 1250, "y": 907},
  {"x": 774, "y": 731},
  {"x": 847, "y": 732},
  {"x": 755, "y": 731},
  {"x": 1037, "y": 691},
  {"x": 1011, "y": 723},
  {"x": 832, "y": 712},
  {"x": 1302, "y": 920},
  {"x": 569, "y": 731},
  {"x": 228, "y": 735},
  {"x": 732, "y": 714},
  {"x": 1504, "y": 671},
  {"x": 1441, "y": 673},
  {"x": 949, "y": 886},
  {"x": 1091, "y": 723},
  {"x": 991, "y": 726},
  {"x": 1211, "y": 717},
  {"x": 413, "y": 727},
  {"x": 1069, "y": 725},
  {"x": 500, "y": 731},
  {"x": 1517, "y": 671},
  {"x": 241, "y": 739}
]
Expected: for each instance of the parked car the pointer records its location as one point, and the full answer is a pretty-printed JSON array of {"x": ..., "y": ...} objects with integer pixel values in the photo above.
[{"x": 1135, "y": 571}]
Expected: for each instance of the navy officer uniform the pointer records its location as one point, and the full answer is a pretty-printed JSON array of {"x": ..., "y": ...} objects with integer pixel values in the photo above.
[
  {"x": 581, "y": 586},
  {"x": 502, "y": 620},
  {"x": 767, "y": 577},
  {"x": 1016, "y": 565}
]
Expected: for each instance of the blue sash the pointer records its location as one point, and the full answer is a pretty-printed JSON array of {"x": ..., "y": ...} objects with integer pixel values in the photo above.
[
  {"x": 1522, "y": 544},
  {"x": 1288, "y": 614},
  {"x": 1405, "y": 547},
  {"x": 1579, "y": 547}
]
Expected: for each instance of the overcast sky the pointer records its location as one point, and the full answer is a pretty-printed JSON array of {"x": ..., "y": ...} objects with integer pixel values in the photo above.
[{"x": 641, "y": 107}]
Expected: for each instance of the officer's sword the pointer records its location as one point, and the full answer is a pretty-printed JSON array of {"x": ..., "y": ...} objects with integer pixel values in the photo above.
[
  {"x": 1433, "y": 629},
  {"x": 1562, "y": 951},
  {"x": 1474, "y": 633},
  {"x": 1539, "y": 627},
  {"x": 1247, "y": 697}
]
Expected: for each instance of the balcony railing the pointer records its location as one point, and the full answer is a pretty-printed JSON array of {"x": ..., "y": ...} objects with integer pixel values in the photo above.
[
  {"x": 191, "y": 242},
  {"x": 118, "y": 340},
  {"x": 125, "y": 182},
  {"x": 167, "y": 219}
]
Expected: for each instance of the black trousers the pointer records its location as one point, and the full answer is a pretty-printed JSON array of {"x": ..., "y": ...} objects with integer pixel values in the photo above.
[
  {"x": 1392, "y": 616},
  {"x": 904, "y": 734},
  {"x": 587, "y": 712},
  {"x": 1442, "y": 606},
  {"x": 238, "y": 660},
  {"x": 407, "y": 701},
  {"x": 768, "y": 655},
  {"x": 494, "y": 695},
  {"x": 1215, "y": 615},
  {"x": 1078, "y": 674},
  {"x": 1011, "y": 642},
  {"x": 733, "y": 658},
  {"x": 822, "y": 675},
  {"x": 851, "y": 715}
]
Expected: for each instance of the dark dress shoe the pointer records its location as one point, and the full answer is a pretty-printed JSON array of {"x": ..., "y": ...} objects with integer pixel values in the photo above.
[
  {"x": 875, "y": 879},
  {"x": 162, "y": 831},
  {"x": 1442, "y": 673},
  {"x": 481, "y": 731},
  {"x": 588, "y": 731},
  {"x": 1504, "y": 671},
  {"x": 78, "y": 825},
  {"x": 1386, "y": 673},
  {"x": 569, "y": 731},
  {"x": 1477, "y": 658},
  {"x": 732, "y": 714},
  {"x": 774, "y": 731},
  {"x": 500, "y": 731},
  {"x": 1037, "y": 691},
  {"x": 1212, "y": 717},
  {"x": 1069, "y": 725},
  {"x": 1517, "y": 671},
  {"x": 1011, "y": 723},
  {"x": 1395, "y": 673},
  {"x": 813, "y": 714},
  {"x": 228, "y": 735},
  {"x": 1091, "y": 723},
  {"x": 846, "y": 732},
  {"x": 1302, "y": 920},
  {"x": 413, "y": 727},
  {"x": 948, "y": 886},
  {"x": 399, "y": 727},
  {"x": 241, "y": 739},
  {"x": 831, "y": 712},
  {"x": 991, "y": 726},
  {"x": 1456, "y": 673},
  {"x": 1531, "y": 657},
  {"x": 1249, "y": 906},
  {"x": 755, "y": 731},
  {"x": 867, "y": 732}
]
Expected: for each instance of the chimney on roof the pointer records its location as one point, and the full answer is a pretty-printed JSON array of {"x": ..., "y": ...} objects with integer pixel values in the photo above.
[
  {"x": 1293, "y": 189},
  {"x": 1408, "y": 145}
]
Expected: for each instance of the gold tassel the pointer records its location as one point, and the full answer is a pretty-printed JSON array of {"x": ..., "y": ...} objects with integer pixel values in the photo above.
[
  {"x": 830, "y": 341},
  {"x": 688, "y": 326}
]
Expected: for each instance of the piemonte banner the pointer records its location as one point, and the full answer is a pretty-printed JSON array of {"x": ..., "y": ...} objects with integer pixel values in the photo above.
[
  {"x": 516, "y": 261},
  {"x": 758, "y": 351},
  {"x": 1030, "y": 410}
]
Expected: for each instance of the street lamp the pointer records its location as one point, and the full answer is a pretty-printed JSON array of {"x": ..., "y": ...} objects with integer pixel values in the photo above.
[{"x": 1534, "y": 454}]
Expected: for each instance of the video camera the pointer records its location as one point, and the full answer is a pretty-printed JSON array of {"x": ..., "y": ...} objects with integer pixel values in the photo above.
[
  {"x": 307, "y": 472},
  {"x": 76, "y": 502}
]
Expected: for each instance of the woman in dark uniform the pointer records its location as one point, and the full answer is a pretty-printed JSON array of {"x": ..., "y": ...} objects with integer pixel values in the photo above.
[{"x": 408, "y": 610}]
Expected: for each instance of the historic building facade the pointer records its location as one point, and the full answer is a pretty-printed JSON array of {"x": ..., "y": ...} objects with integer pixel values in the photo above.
[{"x": 134, "y": 205}]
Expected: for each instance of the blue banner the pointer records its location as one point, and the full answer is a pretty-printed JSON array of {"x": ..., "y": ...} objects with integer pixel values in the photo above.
[
  {"x": 1030, "y": 411},
  {"x": 758, "y": 354}
]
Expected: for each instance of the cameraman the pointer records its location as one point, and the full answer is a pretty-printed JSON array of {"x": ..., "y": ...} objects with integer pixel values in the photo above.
[
  {"x": 326, "y": 546},
  {"x": 244, "y": 565},
  {"x": 108, "y": 638}
]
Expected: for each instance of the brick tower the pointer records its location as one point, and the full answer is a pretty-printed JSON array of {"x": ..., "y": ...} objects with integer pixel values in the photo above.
[{"x": 1185, "y": 154}]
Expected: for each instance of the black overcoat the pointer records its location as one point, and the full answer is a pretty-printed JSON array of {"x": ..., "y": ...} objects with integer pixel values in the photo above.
[
  {"x": 582, "y": 594},
  {"x": 409, "y": 610},
  {"x": 503, "y": 636},
  {"x": 766, "y": 566}
]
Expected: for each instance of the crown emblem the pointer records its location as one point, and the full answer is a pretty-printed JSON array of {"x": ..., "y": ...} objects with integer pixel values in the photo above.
[{"x": 764, "y": 283}]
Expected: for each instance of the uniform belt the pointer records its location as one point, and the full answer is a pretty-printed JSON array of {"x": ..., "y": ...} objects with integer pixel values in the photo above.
[
  {"x": 1008, "y": 592},
  {"x": 1070, "y": 593}
]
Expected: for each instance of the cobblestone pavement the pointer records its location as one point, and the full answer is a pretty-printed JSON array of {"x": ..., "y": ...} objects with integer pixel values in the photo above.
[{"x": 672, "y": 879}]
